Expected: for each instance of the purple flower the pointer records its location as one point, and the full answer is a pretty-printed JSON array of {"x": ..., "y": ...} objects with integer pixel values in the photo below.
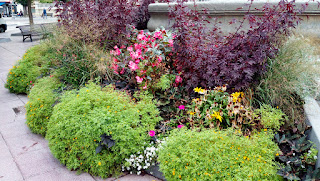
[
  {"x": 181, "y": 107},
  {"x": 180, "y": 126},
  {"x": 152, "y": 133}
]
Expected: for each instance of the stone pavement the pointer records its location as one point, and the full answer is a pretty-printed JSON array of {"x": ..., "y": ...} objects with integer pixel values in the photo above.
[{"x": 24, "y": 155}]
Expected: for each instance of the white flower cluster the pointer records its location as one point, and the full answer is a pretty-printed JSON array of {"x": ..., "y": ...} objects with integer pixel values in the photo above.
[
  {"x": 314, "y": 157},
  {"x": 138, "y": 162}
]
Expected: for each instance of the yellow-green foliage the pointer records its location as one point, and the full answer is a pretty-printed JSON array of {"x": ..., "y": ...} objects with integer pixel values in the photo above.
[
  {"x": 218, "y": 155},
  {"x": 40, "y": 105},
  {"x": 270, "y": 117},
  {"x": 21, "y": 76},
  {"x": 36, "y": 61},
  {"x": 80, "y": 119}
]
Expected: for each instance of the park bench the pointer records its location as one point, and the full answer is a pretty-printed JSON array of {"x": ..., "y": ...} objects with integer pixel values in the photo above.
[{"x": 42, "y": 30}]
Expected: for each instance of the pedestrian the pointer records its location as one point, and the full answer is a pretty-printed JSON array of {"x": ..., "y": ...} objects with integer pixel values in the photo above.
[
  {"x": 21, "y": 13},
  {"x": 44, "y": 13}
]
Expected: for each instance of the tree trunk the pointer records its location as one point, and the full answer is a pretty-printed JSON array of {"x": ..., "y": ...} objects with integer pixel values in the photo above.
[
  {"x": 25, "y": 11},
  {"x": 30, "y": 13}
]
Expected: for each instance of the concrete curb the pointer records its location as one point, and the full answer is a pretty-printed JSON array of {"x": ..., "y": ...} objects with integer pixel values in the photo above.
[{"x": 312, "y": 111}]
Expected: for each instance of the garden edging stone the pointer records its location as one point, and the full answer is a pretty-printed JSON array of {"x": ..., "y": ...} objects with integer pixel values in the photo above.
[{"x": 312, "y": 111}]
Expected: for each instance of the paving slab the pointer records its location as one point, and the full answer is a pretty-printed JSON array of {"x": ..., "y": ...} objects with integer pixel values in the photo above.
[
  {"x": 25, "y": 143},
  {"x": 15, "y": 129},
  {"x": 9, "y": 170},
  {"x": 61, "y": 174}
]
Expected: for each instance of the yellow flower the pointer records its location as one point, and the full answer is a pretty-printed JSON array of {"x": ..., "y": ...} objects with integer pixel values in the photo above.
[
  {"x": 191, "y": 113},
  {"x": 199, "y": 90},
  {"x": 277, "y": 154},
  {"x": 173, "y": 172},
  {"x": 217, "y": 116},
  {"x": 235, "y": 96},
  {"x": 99, "y": 163}
]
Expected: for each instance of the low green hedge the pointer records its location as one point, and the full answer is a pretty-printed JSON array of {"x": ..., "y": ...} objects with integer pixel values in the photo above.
[
  {"x": 80, "y": 119},
  {"x": 218, "y": 155},
  {"x": 36, "y": 61},
  {"x": 22, "y": 76},
  {"x": 40, "y": 106}
]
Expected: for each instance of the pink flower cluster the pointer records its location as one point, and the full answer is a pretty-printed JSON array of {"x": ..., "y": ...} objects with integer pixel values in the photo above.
[{"x": 141, "y": 59}]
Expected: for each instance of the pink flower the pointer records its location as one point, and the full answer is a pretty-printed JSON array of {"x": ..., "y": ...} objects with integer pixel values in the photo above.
[
  {"x": 118, "y": 52},
  {"x": 157, "y": 34},
  {"x": 181, "y": 107},
  {"x": 170, "y": 43},
  {"x": 137, "y": 46},
  {"x": 139, "y": 80},
  {"x": 114, "y": 67},
  {"x": 130, "y": 49},
  {"x": 145, "y": 86},
  {"x": 180, "y": 126},
  {"x": 141, "y": 37},
  {"x": 122, "y": 71},
  {"x": 30, "y": 82},
  {"x": 114, "y": 59},
  {"x": 133, "y": 66},
  {"x": 178, "y": 79},
  {"x": 152, "y": 133},
  {"x": 159, "y": 59}
]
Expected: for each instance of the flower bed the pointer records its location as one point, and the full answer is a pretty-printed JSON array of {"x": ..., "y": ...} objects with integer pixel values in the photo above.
[{"x": 200, "y": 104}]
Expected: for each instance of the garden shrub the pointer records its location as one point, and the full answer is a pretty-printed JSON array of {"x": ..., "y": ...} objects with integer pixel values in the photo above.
[
  {"x": 35, "y": 62},
  {"x": 42, "y": 97},
  {"x": 218, "y": 155},
  {"x": 78, "y": 62},
  {"x": 290, "y": 76},
  {"x": 270, "y": 117},
  {"x": 82, "y": 118},
  {"x": 207, "y": 58},
  {"x": 104, "y": 22},
  {"x": 22, "y": 76}
]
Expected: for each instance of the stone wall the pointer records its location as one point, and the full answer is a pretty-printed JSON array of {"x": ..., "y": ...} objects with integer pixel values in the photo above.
[{"x": 227, "y": 10}]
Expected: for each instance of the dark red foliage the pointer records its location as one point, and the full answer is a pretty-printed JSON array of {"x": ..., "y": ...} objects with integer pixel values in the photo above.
[
  {"x": 208, "y": 59},
  {"x": 143, "y": 15}
]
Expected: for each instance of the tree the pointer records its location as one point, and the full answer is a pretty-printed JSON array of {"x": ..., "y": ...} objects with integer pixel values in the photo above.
[
  {"x": 25, "y": 4},
  {"x": 30, "y": 12}
]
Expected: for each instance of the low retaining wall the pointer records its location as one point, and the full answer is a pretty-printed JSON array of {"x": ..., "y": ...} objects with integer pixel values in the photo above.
[
  {"x": 227, "y": 10},
  {"x": 312, "y": 111}
]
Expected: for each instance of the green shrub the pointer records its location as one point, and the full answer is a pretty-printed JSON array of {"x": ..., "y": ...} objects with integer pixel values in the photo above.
[
  {"x": 80, "y": 119},
  {"x": 40, "y": 105},
  {"x": 36, "y": 61},
  {"x": 21, "y": 76},
  {"x": 218, "y": 155},
  {"x": 270, "y": 117}
]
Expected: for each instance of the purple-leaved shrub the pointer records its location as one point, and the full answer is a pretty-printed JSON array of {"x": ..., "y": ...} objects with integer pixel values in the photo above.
[{"x": 207, "y": 58}]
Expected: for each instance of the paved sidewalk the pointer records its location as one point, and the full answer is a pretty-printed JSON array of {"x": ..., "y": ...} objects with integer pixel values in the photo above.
[{"x": 24, "y": 155}]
